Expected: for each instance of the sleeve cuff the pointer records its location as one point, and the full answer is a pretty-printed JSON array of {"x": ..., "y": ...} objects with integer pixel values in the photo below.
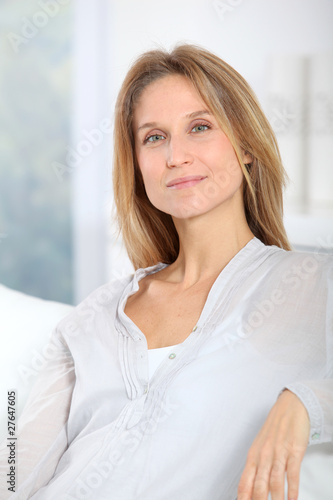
[{"x": 312, "y": 405}]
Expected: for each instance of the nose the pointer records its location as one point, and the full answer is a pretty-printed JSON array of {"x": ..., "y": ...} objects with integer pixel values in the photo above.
[{"x": 178, "y": 153}]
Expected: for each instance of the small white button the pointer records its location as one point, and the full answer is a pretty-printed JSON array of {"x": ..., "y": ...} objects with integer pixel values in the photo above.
[
  {"x": 315, "y": 435},
  {"x": 172, "y": 355},
  {"x": 146, "y": 390},
  {"x": 196, "y": 326}
]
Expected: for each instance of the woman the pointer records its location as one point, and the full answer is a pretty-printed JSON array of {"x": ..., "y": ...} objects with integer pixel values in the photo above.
[{"x": 205, "y": 374}]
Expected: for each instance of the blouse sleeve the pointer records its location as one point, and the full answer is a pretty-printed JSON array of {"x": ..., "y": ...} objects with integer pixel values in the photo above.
[
  {"x": 41, "y": 430},
  {"x": 317, "y": 395}
]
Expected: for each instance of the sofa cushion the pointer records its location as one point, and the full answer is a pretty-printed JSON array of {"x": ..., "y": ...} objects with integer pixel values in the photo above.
[{"x": 26, "y": 324}]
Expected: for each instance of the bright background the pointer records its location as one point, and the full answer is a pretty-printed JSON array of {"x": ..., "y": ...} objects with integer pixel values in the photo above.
[{"x": 58, "y": 85}]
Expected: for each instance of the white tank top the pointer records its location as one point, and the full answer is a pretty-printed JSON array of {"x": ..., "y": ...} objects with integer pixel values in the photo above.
[{"x": 156, "y": 356}]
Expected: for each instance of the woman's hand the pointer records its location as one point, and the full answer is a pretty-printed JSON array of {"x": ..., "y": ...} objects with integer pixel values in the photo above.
[{"x": 279, "y": 448}]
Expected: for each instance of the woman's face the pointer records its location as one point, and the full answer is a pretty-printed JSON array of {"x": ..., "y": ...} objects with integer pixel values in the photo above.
[{"x": 188, "y": 164}]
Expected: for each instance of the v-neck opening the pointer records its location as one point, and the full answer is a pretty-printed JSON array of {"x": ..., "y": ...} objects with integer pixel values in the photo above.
[{"x": 209, "y": 304}]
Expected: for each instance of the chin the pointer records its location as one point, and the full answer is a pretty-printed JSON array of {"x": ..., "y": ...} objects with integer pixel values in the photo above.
[{"x": 190, "y": 211}]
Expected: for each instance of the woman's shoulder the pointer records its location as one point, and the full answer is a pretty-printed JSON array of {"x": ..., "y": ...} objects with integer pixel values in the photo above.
[
  {"x": 102, "y": 302},
  {"x": 309, "y": 261},
  {"x": 301, "y": 269}
]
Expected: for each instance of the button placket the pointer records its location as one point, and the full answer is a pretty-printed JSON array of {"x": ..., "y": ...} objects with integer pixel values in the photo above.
[{"x": 136, "y": 412}]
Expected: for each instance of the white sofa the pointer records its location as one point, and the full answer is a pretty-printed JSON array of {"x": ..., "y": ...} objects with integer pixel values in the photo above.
[{"x": 25, "y": 325}]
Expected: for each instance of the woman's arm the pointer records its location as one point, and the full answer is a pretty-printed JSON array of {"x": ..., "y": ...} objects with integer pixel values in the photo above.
[
  {"x": 317, "y": 397},
  {"x": 301, "y": 416},
  {"x": 277, "y": 450},
  {"x": 41, "y": 430}
]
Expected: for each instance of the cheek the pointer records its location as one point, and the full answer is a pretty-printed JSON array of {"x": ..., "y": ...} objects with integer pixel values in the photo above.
[
  {"x": 143, "y": 167},
  {"x": 228, "y": 174},
  {"x": 231, "y": 177},
  {"x": 149, "y": 177},
  {"x": 150, "y": 168},
  {"x": 151, "y": 182}
]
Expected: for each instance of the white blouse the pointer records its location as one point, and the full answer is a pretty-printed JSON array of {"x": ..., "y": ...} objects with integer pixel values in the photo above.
[
  {"x": 98, "y": 426},
  {"x": 156, "y": 356}
]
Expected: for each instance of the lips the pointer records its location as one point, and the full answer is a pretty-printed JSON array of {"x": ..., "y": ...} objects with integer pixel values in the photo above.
[{"x": 187, "y": 181}]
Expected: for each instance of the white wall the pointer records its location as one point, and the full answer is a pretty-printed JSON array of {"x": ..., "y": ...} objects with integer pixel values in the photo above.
[
  {"x": 89, "y": 158},
  {"x": 242, "y": 32}
]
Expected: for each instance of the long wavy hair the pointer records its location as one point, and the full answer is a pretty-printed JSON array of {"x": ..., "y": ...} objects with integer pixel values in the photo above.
[{"x": 149, "y": 234}]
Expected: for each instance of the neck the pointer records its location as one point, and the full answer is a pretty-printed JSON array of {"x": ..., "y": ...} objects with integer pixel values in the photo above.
[{"x": 207, "y": 244}]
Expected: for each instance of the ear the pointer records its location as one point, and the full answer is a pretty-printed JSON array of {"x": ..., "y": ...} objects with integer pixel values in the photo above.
[{"x": 247, "y": 157}]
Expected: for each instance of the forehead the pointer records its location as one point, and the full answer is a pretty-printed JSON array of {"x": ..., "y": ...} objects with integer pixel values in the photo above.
[
  {"x": 164, "y": 82},
  {"x": 169, "y": 94}
]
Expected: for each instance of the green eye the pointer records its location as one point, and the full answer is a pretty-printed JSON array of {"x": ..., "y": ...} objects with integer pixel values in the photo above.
[
  {"x": 200, "y": 128},
  {"x": 153, "y": 138}
]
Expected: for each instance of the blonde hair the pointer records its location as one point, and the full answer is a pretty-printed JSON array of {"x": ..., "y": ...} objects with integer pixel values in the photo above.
[{"x": 149, "y": 234}]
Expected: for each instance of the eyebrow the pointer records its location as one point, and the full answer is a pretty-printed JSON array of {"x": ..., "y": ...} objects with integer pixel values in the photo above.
[{"x": 188, "y": 116}]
